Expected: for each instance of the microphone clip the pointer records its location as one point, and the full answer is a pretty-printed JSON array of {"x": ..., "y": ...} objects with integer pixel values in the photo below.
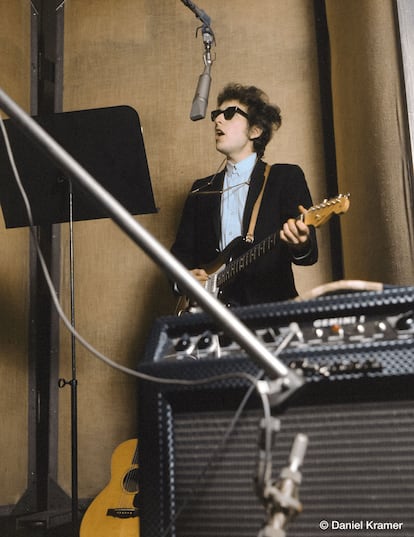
[
  {"x": 208, "y": 34},
  {"x": 208, "y": 40},
  {"x": 281, "y": 497}
]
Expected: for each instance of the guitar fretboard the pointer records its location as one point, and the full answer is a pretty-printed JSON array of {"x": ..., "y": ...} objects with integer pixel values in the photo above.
[
  {"x": 234, "y": 267},
  {"x": 315, "y": 216}
]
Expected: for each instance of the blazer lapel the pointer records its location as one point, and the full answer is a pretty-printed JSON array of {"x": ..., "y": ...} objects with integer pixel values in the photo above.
[
  {"x": 215, "y": 206},
  {"x": 256, "y": 182}
]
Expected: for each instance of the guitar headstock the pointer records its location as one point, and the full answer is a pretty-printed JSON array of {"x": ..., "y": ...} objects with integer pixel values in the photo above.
[{"x": 319, "y": 214}]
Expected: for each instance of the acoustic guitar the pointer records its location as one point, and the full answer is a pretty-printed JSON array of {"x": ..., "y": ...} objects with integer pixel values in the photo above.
[
  {"x": 114, "y": 512},
  {"x": 230, "y": 262}
]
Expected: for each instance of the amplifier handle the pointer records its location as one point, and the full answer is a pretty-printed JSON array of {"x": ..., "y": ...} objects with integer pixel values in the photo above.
[{"x": 341, "y": 285}]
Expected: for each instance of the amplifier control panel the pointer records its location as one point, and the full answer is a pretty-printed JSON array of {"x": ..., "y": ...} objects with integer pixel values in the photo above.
[
  {"x": 340, "y": 336},
  {"x": 322, "y": 333}
]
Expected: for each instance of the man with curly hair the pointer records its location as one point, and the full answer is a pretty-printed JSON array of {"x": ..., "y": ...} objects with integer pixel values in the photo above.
[{"x": 217, "y": 214}]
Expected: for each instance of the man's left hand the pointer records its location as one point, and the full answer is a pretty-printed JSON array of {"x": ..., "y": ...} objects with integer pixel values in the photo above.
[{"x": 295, "y": 232}]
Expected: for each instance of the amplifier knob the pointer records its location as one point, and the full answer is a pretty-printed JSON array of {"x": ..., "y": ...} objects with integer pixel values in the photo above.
[
  {"x": 205, "y": 341},
  {"x": 184, "y": 344},
  {"x": 405, "y": 322},
  {"x": 360, "y": 328},
  {"x": 225, "y": 340},
  {"x": 337, "y": 330},
  {"x": 319, "y": 332},
  {"x": 382, "y": 326}
]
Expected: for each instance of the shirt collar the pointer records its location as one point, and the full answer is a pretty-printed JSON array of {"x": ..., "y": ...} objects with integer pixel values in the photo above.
[{"x": 243, "y": 168}]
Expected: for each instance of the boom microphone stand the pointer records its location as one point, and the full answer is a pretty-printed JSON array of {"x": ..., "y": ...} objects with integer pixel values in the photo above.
[
  {"x": 200, "y": 101},
  {"x": 283, "y": 381}
]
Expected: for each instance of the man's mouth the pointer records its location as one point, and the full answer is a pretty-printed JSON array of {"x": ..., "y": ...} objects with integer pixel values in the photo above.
[{"x": 219, "y": 132}]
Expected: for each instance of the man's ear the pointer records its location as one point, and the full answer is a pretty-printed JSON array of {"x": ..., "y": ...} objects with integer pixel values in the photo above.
[{"x": 255, "y": 132}]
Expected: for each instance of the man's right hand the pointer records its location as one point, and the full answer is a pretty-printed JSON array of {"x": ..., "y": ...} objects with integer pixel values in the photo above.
[{"x": 200, "y": 275}]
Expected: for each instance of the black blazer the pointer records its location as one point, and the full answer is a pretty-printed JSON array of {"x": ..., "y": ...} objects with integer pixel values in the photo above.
[{"x": 270, "y": 278}]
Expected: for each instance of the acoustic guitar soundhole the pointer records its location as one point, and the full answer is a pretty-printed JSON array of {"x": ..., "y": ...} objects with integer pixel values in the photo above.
[{"x": 130, "y": 481}]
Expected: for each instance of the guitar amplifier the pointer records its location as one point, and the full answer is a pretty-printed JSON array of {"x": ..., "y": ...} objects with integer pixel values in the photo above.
[{"x": 199, "y": 448}]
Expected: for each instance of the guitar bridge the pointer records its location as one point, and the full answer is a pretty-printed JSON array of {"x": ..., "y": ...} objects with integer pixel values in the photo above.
[{"x": 122, "y": 513}]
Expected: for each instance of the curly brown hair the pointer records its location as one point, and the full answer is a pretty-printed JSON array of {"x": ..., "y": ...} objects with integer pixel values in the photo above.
[{"x": 261, "y": 113}]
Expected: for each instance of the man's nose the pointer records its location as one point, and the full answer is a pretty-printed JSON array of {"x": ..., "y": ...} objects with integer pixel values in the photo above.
[{"x": 219, "y": 119}]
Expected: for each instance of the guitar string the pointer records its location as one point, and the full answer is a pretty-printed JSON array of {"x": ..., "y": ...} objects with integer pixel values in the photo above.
[
  {"x": 131, "y": 475},
  {"x": 127, "y": 480},
  {"x": 234, "y": 266}
]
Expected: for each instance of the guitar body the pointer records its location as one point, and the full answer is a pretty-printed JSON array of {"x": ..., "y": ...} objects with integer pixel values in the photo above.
[
  {"x": 234, "y": 249},
  {"x": 113, "y": 513},
  {"x": 213, "y": 269},
  {"x": 239, "y": 254}
]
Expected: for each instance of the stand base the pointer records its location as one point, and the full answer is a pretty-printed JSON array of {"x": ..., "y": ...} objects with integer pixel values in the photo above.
[
  {"x": 44, "y": 520},
  {"x": 58, "y": 510}
]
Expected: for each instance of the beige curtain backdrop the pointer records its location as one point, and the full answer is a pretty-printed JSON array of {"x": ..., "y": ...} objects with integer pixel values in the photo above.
[
  {"x": 144, "y": 53},
  {"x": 14, "y": 266},
  {"x": 373, "y": 158}
]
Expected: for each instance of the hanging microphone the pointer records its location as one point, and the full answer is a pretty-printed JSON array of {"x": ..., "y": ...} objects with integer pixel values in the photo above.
[{"x": 200, "y": 101}]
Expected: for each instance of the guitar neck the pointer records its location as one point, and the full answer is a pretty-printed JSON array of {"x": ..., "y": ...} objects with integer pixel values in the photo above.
[
  {"x": 234, "y": 267},
  {"x": 314, "y": 216}
]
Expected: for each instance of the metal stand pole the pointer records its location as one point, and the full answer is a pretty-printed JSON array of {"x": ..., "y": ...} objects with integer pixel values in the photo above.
[{"x": 73, "y": 382}]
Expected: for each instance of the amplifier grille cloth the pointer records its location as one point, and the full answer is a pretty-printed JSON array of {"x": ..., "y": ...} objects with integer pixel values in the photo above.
[{"x": 359, "y": 466}]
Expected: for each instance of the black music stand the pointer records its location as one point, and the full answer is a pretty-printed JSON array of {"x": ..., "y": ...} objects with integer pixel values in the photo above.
[{"x": 108, "y": 143}]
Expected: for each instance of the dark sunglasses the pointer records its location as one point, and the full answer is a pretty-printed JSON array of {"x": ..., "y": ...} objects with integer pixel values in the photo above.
[{"x": 228, "y": 113}]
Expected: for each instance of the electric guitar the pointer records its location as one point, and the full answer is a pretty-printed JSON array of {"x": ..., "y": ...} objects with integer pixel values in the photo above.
[
  {"x": 113, "y": 513},
  {"x": 225, "y": 267}
]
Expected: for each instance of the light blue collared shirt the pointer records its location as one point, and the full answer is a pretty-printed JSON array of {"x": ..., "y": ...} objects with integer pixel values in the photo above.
[{"x": 233, "y": 199}]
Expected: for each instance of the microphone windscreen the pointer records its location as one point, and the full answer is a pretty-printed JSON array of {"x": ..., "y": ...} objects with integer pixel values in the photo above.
[{"x": 200, "y": 101}]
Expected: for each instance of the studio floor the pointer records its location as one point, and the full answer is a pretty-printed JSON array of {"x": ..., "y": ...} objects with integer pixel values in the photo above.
[{"x": 10, "y": 528}]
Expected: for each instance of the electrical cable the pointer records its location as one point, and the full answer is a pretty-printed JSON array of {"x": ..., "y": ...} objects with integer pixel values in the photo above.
[{"x": 195, "y": 488}]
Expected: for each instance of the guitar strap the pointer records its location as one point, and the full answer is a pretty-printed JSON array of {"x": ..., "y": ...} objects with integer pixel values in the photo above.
[{"x": 255, "y": 212}]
